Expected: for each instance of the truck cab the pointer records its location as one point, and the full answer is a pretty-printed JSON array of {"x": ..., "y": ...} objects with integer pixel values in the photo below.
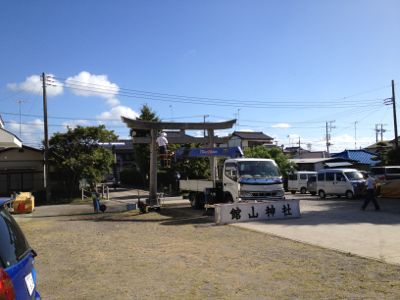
[{"x": 251, "y": 179}]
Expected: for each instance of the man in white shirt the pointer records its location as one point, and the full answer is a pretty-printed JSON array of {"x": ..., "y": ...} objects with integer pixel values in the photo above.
[
  {"x": 370, "y": 184},
  {"x": 162, "y": 143}
]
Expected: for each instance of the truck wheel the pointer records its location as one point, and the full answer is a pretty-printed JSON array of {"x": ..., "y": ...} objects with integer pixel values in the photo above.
[
  {"x": 303, "y": 190},
  {"x": 322, "y": 194},
  {"x": 192, "y": 199},
  {"x": 228, "y": 198},
  {"x": 200, "y": 201}
]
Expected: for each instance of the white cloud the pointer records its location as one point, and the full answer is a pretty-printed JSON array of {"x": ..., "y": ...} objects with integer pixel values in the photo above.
[
  {"x": 341, "y": 142},
  {"x": 281, "y": 125},
  {"x": 33, "y": 84},
  {"x": 245, "y": 130},
  {"x": 31, "y": 133},
  {"x": 116, "y": 112},
  {"x": 86, "y": 84}
]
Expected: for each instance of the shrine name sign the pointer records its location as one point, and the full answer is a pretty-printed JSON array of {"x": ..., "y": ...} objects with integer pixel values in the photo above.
[{"x": 256, "y": 211}]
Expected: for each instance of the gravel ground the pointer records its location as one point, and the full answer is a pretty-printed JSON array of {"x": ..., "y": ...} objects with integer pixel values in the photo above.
[{"x": 180, "y": 254}]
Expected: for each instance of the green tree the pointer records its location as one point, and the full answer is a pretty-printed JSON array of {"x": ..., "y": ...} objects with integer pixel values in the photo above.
[
  {"x": 382, "y": 152},
  {"x": 393, "y": 157},
  {"x": 273, "y": 153},
  {"x": 142, "y": 152},
  {"x": 193, "y": 168},
  {"x": 77, "y": 154}
]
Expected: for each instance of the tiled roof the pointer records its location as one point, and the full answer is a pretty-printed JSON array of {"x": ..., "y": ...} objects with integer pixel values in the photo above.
[
  {"x": 252, "y": 135},
  {"x": 362, "y": 156}
]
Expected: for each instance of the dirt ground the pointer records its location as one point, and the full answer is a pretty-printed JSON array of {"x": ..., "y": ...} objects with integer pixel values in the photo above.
[{"x": 180, "y": 254}]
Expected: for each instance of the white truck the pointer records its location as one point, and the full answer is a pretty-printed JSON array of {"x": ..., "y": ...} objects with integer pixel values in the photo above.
[{"x": 243, "y": 180}]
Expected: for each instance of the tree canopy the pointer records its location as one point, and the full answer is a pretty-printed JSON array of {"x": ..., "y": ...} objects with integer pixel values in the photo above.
[{"x": 77, "y": 154}]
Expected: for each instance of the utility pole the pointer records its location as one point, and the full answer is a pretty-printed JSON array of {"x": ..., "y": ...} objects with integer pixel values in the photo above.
[
  {"x": 46, "y": 140},
  {"x": 382, "y": 131},
  {"x": 329, "y": 128},
  {"x": 299, "y": 148},
  {"x": 355, "y": 135},
  {"x": 396, "y": 137},
  {"x": 392, "y": 101},
  {"x": 204, "y": 121},
  {"x": 379, "y": 131}
]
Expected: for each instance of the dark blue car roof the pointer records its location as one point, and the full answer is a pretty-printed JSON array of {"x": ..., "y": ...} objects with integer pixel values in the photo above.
[{"x": 4, "y": 201}]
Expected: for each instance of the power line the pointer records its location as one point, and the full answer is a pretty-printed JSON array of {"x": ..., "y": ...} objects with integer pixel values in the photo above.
[{"x": 278, "y": 103}]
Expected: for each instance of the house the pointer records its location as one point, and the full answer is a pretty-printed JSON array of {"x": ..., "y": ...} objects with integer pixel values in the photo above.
[
  {"x": 388, "y": 145},
  {"x": 244, "y": 139},
  {"x": 21, "y": 170},
  {"x": 363, "y": 158},
  {"x": 316, "y": 164},
  {"x": 8, "y": 139},
  {"x": 299, "y": 152}
]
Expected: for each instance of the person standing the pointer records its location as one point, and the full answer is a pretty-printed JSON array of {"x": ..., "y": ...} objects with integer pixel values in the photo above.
[
  {"x": 162, "y": 143},
  {"x": 370, "y": 184}
]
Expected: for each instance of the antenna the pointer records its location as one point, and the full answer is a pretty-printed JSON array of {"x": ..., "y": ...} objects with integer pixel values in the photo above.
[{"x": 20, "y": 123}]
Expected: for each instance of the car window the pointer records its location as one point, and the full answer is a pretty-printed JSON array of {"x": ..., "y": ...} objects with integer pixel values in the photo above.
[
  {"x": 340, "y": 177},
  {"x": 377, "y": 171},
  {"x": 303, "y": 176},
  {"x": 393, "y": 171},
  {"x": 13, "y": 244},
  {"x": 330, "y": 176},
  {"x": 321, "y": 177},
  {"x": 230, "y": 170},
  {"x": 312, "y": 178}
]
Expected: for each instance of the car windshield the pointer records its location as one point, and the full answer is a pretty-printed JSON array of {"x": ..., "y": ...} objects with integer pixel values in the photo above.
[
  {"x": 353, "y": 175},
  {"x": 13, "y": 244},
  {"x": 258, "y": 169}
]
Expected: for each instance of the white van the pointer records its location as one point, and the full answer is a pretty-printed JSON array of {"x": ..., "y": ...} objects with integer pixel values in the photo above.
[
  {"x": 340, "y": 182},
  {"x": 297, "y": 182}
]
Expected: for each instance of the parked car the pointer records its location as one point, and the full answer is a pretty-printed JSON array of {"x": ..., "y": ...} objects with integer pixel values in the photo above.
[
  {"x": 297, "y": 182},
  {"x": 17, "y": 272},
  {"x": 340, "y": 182},
  {"x": 385, "y": 173},
  {"x": 312, "y": 185}
]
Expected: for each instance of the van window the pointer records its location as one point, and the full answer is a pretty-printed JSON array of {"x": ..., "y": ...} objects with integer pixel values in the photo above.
[
  {"x": 303, "y": 176},
  {"x": 330, "y": 176},
  {"x": 321, "y": 177},
  {"x": 312, "y": 178},
  {"x": 340, "y": 177},
  {"x": 393, "y": 171},
  {"x": 292, "y": 176},
  {"x": 354, "y": 175}
]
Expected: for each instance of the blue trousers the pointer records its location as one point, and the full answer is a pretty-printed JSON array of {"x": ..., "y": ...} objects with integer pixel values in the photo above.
[{"x": 370, "y": 197}]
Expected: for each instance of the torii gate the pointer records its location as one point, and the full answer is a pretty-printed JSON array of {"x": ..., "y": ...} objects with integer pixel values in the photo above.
[{"x": 155, "y": 127}]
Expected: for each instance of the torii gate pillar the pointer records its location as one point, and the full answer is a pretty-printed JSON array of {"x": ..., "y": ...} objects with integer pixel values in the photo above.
[{"x": 153, "y": 168}]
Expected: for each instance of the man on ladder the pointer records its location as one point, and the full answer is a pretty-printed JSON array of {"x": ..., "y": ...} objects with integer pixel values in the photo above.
[{"x": 162, "y": 143}]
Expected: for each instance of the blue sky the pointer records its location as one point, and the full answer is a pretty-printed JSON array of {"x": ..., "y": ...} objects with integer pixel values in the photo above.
[{"x": 281, "y": 67}]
